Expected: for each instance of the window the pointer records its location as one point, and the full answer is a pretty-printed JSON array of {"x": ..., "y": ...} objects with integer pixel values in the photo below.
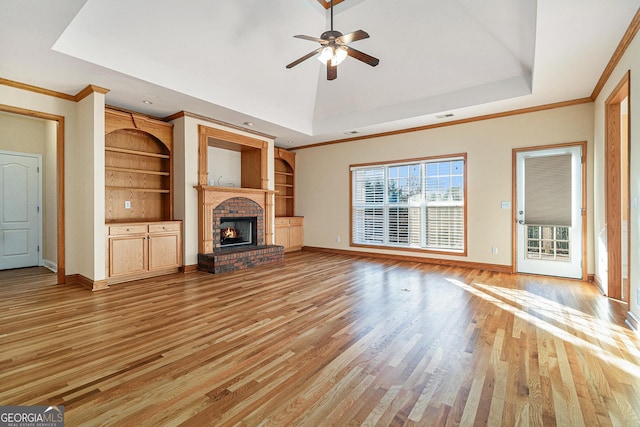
[{"x": 417, "y": 204}]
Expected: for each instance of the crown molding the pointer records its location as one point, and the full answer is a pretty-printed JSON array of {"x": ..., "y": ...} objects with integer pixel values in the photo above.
[
  {"x": 454, "y": 122},
  {"x": 626, "y": 40},
  {"x": 75, "y": 98},
  {"x": 181, "y": 114}
]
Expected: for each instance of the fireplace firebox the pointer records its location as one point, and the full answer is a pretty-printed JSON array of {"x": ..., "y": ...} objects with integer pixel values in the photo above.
[{"x": 238, "y": 231}]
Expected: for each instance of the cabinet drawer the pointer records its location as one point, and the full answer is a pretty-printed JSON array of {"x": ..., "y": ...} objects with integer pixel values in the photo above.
[
  {"x": 296, "y": 220},
  {"x": 282, "y": 222},
  {"x": 123, "y": 230},
  {"x": 159, "y": 228}
]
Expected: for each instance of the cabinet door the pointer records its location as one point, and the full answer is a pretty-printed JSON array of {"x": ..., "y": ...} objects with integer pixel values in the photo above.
[
  {"x": 164, "y": 251},
  {"x": 127, "y": 255},
  {"x": 296, "y": 236},
  {"x": 282, "y": 236}
]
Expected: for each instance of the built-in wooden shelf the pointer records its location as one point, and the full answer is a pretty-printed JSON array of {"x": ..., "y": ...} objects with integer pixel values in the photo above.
[
  {"x": 289, "y": 230},
  {"x": 140, "y": 189},
  {"x": 148, "y": 172},
  {"x": 138, "y": 168},
  {"x": 137, "y": 153},
  {"x": 284, "y": 174}
]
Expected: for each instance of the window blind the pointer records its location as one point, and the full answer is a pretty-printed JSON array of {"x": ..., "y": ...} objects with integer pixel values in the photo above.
[
  {"x": 547, "y": 194},
  {"x": 368, "y": 205}
]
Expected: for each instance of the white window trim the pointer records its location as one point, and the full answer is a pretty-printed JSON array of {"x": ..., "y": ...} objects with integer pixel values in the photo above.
[{"x": 385, "y": 205}]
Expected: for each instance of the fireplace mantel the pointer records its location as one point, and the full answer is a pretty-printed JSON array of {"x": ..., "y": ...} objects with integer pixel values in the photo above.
[{"x": 211, "y": 196}]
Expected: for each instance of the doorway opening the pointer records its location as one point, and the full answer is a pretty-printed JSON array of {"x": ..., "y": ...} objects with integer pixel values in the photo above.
[
  {"x": 617, "y": 190},
  {"x": 55, "y": 200}
]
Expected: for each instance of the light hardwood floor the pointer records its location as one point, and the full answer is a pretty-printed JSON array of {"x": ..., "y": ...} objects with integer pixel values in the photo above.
[{"x": 320, "y": 340}]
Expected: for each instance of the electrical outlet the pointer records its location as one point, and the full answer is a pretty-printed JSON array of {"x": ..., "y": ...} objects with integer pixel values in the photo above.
[
  {"x": 338, "y": 239},
  {"x": 494, "y": 250},
  {"x": 505, "y": 205},
  {"x": 127, "y": 204}
]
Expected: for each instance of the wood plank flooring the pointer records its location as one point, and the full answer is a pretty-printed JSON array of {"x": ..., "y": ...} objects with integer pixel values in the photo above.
[{"x": 321, "y": 340}]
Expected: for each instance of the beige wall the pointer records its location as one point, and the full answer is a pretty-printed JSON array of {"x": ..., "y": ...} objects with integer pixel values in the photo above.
[
  {"x": 22, "y": 134},
  {"x": 322, "y": 175},
  {"x": 224, "y": 167},
  {"x": 86, "y": 164},
  {"x": 629, "y": 61}
]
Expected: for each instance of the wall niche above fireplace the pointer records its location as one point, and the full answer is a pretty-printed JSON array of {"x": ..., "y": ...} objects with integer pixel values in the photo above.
[{"x": 253, "y": 158}]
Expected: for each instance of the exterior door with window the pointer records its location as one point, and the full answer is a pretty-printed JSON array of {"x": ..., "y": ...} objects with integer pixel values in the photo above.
[{"x": 549, "y": 211}]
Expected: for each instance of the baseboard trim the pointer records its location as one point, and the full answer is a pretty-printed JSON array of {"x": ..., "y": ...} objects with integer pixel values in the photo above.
[
  {"x": 498, "y": 268},
  {"x": 53, "y": 266},
  {"x": 92, "y": 285},
  {"x": 189, "y": 268},
  {"x": 598, "y": 284},
  {"x": 633, "y": 321}
]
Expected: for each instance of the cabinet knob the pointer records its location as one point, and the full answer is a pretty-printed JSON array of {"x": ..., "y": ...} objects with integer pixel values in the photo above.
[{"x": 128, "y": 229}]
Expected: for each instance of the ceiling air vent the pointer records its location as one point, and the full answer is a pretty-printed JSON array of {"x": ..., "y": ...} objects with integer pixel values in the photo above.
[
  {"x": 444, "y": 116},
  {"x": 351, "y": 132}
]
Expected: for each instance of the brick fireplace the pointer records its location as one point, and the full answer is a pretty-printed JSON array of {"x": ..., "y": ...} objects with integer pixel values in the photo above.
[{"x": 218, "y": 205}]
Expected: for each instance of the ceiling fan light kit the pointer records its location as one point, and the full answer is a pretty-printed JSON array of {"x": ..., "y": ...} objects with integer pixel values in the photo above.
[{"x": 333, "y": 49}]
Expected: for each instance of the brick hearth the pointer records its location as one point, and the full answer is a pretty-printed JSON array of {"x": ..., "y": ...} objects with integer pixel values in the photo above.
[{"x": 232, "y": 259}]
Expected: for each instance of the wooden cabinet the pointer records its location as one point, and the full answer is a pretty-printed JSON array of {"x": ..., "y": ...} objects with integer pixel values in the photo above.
[
  {"x": 142, "y": 240},
  {"x": 138, "y": 168},
  {"x": 289, "y": 232},
  {"x": 140, "y": 250},
  {"x": 284, "y": 165}
]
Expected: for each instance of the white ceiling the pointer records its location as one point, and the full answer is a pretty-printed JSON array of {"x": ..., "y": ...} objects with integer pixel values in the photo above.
[{"x": 226, "y": 59}]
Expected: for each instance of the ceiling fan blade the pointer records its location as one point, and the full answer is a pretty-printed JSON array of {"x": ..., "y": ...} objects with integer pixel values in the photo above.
[
  {"x": 313, "y": 39},
  {"x": 332, "y": 71},
  {"x": 352, "y": 37},
  {"x": 361, "y": 56},
  {"x": 304, "y": 58}
]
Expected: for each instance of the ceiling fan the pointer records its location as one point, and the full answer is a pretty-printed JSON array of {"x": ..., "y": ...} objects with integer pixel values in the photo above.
[{"x": 333, "y": 49}]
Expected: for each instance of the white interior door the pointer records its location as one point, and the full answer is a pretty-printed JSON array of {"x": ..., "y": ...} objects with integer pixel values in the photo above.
[
  {"x": 19, "y": 210},
  {"x": 549, "y": 212}
]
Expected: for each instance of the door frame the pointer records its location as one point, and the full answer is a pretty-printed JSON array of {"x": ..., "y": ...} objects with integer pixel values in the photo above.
[
  {"x": 583, "y": 203},
  {"x": 612, "y": 188},
  {"x": 59, "y": 177}
]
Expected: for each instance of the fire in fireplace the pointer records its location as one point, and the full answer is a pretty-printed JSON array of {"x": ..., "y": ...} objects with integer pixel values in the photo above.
[{"x": 237, "y": 231}]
